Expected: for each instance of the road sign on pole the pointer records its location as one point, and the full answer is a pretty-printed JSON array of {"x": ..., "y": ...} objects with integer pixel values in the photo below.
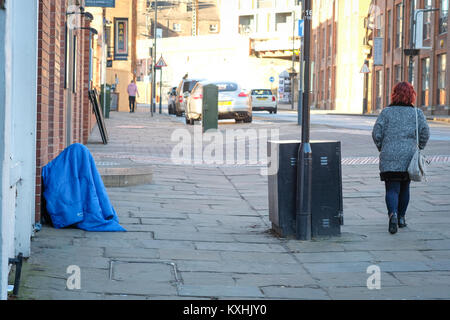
[
  {"x": 365, "y": 68},
  {"x": 161, "y": 63},
  {"x": 301, "y": 28}
]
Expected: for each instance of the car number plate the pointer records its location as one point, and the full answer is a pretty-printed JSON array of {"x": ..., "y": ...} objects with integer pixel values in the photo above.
[{"x": 224, "y": 103}]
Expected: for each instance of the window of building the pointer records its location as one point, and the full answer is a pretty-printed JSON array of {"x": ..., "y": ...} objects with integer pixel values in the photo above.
[
  {"x": 442, "y": 67},
  {"x": 322, "y": 87},
  {"x": 75, "y": 67},
  {"x": 427, "y": 20},
  {"x": 315, "y": 46},
  {"x": 323, "y": 39},
  {"x": 398, "y": 32},
  {"x": 389, "y": 30},
  {"x": 330, "y": 40},
  {"x": 388, "y": 86},
  {"x": 329, "y": 85},
  {"x": 246, "y": 24},
  {"x": 443, "y": 16},
  {"x": 413, "y": 6},
  {"x": 425, "y": 82},
  {"x": 397, "y": 73},
  {"x": 379, "y": 26},
  {"x": 177, "y": 27},
  {"x": 379, "y": 88},
  {"x": 213, "y": 28},
  {"x": 245, "y": 4},
  {"x": 264, "y": 4},
  {"x": 413, "y": 76},
  {"x": 283, "y": 22}
]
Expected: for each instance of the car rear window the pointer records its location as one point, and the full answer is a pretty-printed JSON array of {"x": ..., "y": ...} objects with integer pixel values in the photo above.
[
  {"x": 260, "y": 92},
  {"x": 226, "y": 86},
  {"x": 189, "y": 85}
]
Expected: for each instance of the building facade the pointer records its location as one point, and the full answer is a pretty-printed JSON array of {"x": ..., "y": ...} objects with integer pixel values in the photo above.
[
  {"x": 272, "y": 29},
  {"x": 45, "y": 60},
  {"x": 393, "y": 21},
  {"x": 336, "y": 57},
  {"x": 178, "y": 18}
]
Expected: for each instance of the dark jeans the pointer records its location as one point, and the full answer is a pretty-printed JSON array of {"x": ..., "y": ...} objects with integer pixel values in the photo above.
[
  {"x": 397, "y": 197},
  {"x": 132, "y": 101}
]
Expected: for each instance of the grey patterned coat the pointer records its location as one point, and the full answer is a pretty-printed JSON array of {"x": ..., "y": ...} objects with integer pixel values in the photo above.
[{"x": 394, "y": 134}]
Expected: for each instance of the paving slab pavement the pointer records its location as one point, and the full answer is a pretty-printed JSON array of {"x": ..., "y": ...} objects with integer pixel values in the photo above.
[{"x": 203, "y": 232}]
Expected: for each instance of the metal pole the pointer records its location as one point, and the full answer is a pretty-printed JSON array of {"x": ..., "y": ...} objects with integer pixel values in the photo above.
[
  {"x": 366, "y": 90},
  {"x": 293, "y": 60},
  {"x": 402, "y": 43},
  {"x": 153, "y": 106},
  {"x": 160, "y": 90},
  {"x": 304, "y": 164},
  {"x": 301, "y": 85}
]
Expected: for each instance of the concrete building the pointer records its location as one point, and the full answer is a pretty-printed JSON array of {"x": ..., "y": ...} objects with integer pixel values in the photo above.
[
  {"x": 337, "y": 38},
  {"x": 45, "y": 73},
  {"x": 178, "y": 18},
  {"x": 392, "y": 21}
]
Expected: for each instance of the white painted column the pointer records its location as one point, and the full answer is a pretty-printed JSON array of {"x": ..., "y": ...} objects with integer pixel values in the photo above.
[
  {"x": 24, "y": 102},
  {"x": 18, "y": 94},
  {"x": 6, "y": 193}
]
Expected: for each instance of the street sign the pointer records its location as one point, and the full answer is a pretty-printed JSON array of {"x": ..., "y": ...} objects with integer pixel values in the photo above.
[
  {"x": 365, "y": 68},
  {"x": 301, "y": 27},
  {"x": 378, "y": 51},
  {"x": 100, "y": 3},
  {"x": 272, "y": 79},
  {"x": 161, "y": 63}
]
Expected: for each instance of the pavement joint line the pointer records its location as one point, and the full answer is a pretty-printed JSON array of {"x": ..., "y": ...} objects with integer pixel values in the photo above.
[{"x": 161, "y": 160}]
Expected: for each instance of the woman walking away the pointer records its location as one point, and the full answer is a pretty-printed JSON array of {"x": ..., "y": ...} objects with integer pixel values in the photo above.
[{"x": 394, "y": 134}]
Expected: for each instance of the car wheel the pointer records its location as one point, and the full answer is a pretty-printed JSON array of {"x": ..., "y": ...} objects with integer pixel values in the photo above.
[
  {"x": 248, "y": 119},
  {"x": 270, "y": 112},
  {"x": 275, "y": 111}
]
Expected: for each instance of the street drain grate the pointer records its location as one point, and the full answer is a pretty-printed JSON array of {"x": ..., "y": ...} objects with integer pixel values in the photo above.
[{"x": 123, "y": 270}]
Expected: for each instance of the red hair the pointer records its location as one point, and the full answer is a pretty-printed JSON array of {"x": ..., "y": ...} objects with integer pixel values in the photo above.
[{"x": 403, "y": 94}]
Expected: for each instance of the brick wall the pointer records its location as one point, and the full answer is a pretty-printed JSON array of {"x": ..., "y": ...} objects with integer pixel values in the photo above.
[
  {"x": 43, "y": 83},
  {"x": 52, "y": 94}
]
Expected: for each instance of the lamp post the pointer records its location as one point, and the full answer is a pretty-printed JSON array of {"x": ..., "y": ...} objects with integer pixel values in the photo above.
[
  {"x": 304, "y": 163},
  {"x": 412, "y": 51}
]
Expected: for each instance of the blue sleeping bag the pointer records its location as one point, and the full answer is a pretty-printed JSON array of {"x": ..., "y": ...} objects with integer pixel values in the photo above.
[{"x": 75, "y": 194}]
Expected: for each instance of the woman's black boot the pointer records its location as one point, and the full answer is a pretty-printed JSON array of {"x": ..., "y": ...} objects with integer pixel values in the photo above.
[
  {"x": 401, "y": 222},
  {"x": 393, "y": 222}
]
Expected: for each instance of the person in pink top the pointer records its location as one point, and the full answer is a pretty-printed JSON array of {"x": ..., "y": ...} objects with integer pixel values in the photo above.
[{"x": 132, "y": 91}]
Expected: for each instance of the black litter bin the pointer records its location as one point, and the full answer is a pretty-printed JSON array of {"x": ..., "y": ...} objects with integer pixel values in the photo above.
[{"x": 326, "y": 202}]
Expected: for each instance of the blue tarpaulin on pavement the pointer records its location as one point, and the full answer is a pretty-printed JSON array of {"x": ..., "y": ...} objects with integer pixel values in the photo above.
[{"x": 75, "y": 194}]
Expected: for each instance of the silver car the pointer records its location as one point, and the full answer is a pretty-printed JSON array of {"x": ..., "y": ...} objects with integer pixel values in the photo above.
[
  {"x": 263, "y": 99},
  {"x": 233, "y": 102}
]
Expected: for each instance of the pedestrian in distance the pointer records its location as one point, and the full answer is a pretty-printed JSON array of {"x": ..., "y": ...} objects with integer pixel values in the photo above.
[
  {"x": 394, "y": 134},
  {"x": 132, "y": 92}
]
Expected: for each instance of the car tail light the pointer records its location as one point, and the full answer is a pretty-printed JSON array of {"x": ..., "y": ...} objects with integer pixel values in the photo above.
[
  {"x": 273, "y": 98},
  {"x": 242, "y": 94},
  {"x": 181, "y": 99},
  {"x": 200, "y": 96}
]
